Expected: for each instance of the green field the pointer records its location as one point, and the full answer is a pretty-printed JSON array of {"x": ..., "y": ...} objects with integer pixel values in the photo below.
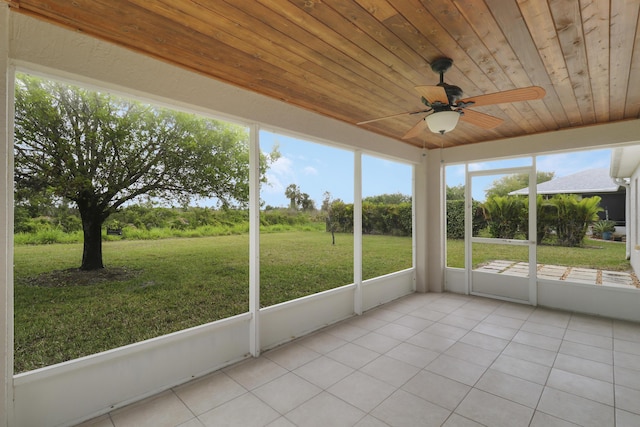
[{"x": 154, "y": 287}]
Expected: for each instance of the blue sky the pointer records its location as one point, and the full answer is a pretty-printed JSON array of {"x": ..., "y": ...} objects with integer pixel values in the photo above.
[
  {"x": 561, "y": 164},
  {"x": 317, "y": 168}
]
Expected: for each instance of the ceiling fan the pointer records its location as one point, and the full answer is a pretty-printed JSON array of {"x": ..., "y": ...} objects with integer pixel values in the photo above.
[{"x": 446, "y": 106}]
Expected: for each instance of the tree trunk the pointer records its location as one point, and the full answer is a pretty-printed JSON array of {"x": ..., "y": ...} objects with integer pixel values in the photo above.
[{"x": 92, "y": 251}]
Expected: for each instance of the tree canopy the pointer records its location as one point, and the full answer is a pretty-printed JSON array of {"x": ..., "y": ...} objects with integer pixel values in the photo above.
[
  {"x": 100, "y": 151},
  {"x": 508, "y": 183}
]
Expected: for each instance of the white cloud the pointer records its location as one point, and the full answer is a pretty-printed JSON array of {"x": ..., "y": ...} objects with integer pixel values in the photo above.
[{"x": 310, "y": 170}]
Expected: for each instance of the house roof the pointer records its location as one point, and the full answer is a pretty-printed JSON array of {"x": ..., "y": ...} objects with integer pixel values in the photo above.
[
  {"x": 586, "y": 181},
  {"x": 356, "y": 61}
]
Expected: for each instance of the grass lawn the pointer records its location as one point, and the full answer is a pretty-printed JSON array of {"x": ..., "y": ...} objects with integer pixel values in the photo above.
[
  {"x": 154, "y": 287},
  {"x": 599, "y": 254}
]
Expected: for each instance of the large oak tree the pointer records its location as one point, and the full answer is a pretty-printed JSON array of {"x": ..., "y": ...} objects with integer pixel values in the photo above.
[{"x": 101, "y": 151}]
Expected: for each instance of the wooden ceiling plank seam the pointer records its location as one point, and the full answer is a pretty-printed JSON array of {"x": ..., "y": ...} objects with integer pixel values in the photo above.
[
  {"x": 354, "y": 38},
  {"x": 596, "y": 38},
  {"x": 276, "y": 57},
  {"x": 568, "y": 22},
  {"x": 516, "y": 30},
  {"x": 624, "y": 17},
  {"x": 243, "y": 76},
  {"x": 632, "y": 106},
  {"x": 293, "y": 39},
  {"x": 377, "y": 31},
  {"x": 541, "y": 28},
  {"x": 347, "y": 47},
  {"x": 486, "y": 28}
]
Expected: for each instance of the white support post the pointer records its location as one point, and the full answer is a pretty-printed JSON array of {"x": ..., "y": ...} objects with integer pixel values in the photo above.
[
  {"x": 254, "y": 239},
  {"x": 357, "y": 231},
  {"x": 6, "y": 222}
]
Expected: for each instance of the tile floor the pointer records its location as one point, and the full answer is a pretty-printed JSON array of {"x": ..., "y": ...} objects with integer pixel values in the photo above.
[{"x": 424, "y": 360}]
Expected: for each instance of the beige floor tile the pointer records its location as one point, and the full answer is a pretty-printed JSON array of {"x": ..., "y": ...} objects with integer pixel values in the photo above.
[
  {"x": 542, "y": 329},
  {"x": 390, "y": 370},
  {"x": 385, "y": 314},
  {"x": 164, "y": 409},
  {"x": 587, "y": 352},
  {"x": 346, "y": 331},
  {"x": 508, "y": 322},
  {"x": 246, "y": 410},
  {"x": 530, "y": 354},
  {"x": 518, "y": 311},
  {"x": 459, "y": 321},
  {"x": 472, "y": 354},
  {"x": 361, "y": 390},
  {"x": 536, "y": 340},
  {"x": 627, "y": 377},
  {"x": 587, "y": 338},
  {"x": 484, "y": 341},
  {"x": 494, "y": 411},
  {"x": 630, "y": 347},
  {"x": 456, "y": 369},
  {"x": 206, "y": 393},
  {"x": 495, "y": 330},
  {"x": 591, "y": 325},
  {"x": 377, "y": 342},
  {"x": 512, "y": 388},
  {"x": 456, "y": 420},
  {"x": 626, "y": 360},
  {"x": 353, "y": 355},
  {"x": 437, "y": 389},
  {"x": 255, "y": 372},
  {"x": 413, "y": 322},
  {"x": 325, "y": 410},
  {"x": 403, "y": 409},
  {"x": 286, "y": 392},
  {"x": 281, "y": 422},
  {"x": 627, "y": 399},
  {"x": 627, "y": 331},
  {"x": 627, "y": 419},
  {"x": 522, "y": 369},
  {"x": 367, "y": 322},
  {"x": 413, "y": 354},
  {"x": 540, "y": 419},
  {"x": 446, "y": 331},
  {"x": 103, "y": 421},
  {"x": 397, "y": 332},
  {"x": 471, "y": 313},
  {"x": 546, "y": 316},
  {"x": 322, "y": 342},
  {"x": 291, "y": 356},
  {"x": 323, "y": 371},
  {"x": 575, "y": 409},
  {"x": 431, "y": 341},
  {"x": 428, "y": 314},
  {"x": 193, "y": 422},
  {"x": 370, "y": 421},
  {"x": 600, "y": 391},
  {"x": 588, "y": 368}
]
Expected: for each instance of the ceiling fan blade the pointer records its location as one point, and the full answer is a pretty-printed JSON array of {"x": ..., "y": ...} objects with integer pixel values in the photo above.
[
  {"x": 393, "y": 115},
  {"x": 416, "y": 130},
  {"x": 433, "y": 94},
  {"x": 514, "y": 95},
  {"x": 482, "y": 120}
]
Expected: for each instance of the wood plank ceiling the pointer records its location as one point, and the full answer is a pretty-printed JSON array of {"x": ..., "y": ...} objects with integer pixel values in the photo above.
[{"x": 359, "y": 60}]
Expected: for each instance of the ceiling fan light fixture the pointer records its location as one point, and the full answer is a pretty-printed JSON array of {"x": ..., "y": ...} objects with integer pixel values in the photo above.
[{"x": 442, "y": 121}]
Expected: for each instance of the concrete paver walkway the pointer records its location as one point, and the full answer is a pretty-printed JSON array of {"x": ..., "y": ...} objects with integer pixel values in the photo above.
[{"x": 592, "y": 276}]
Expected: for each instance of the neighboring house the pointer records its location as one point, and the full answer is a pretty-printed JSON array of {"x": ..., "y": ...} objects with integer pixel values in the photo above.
[
  {"x": 625, "y": 168},
  {"x": 588, "y": 183}
]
